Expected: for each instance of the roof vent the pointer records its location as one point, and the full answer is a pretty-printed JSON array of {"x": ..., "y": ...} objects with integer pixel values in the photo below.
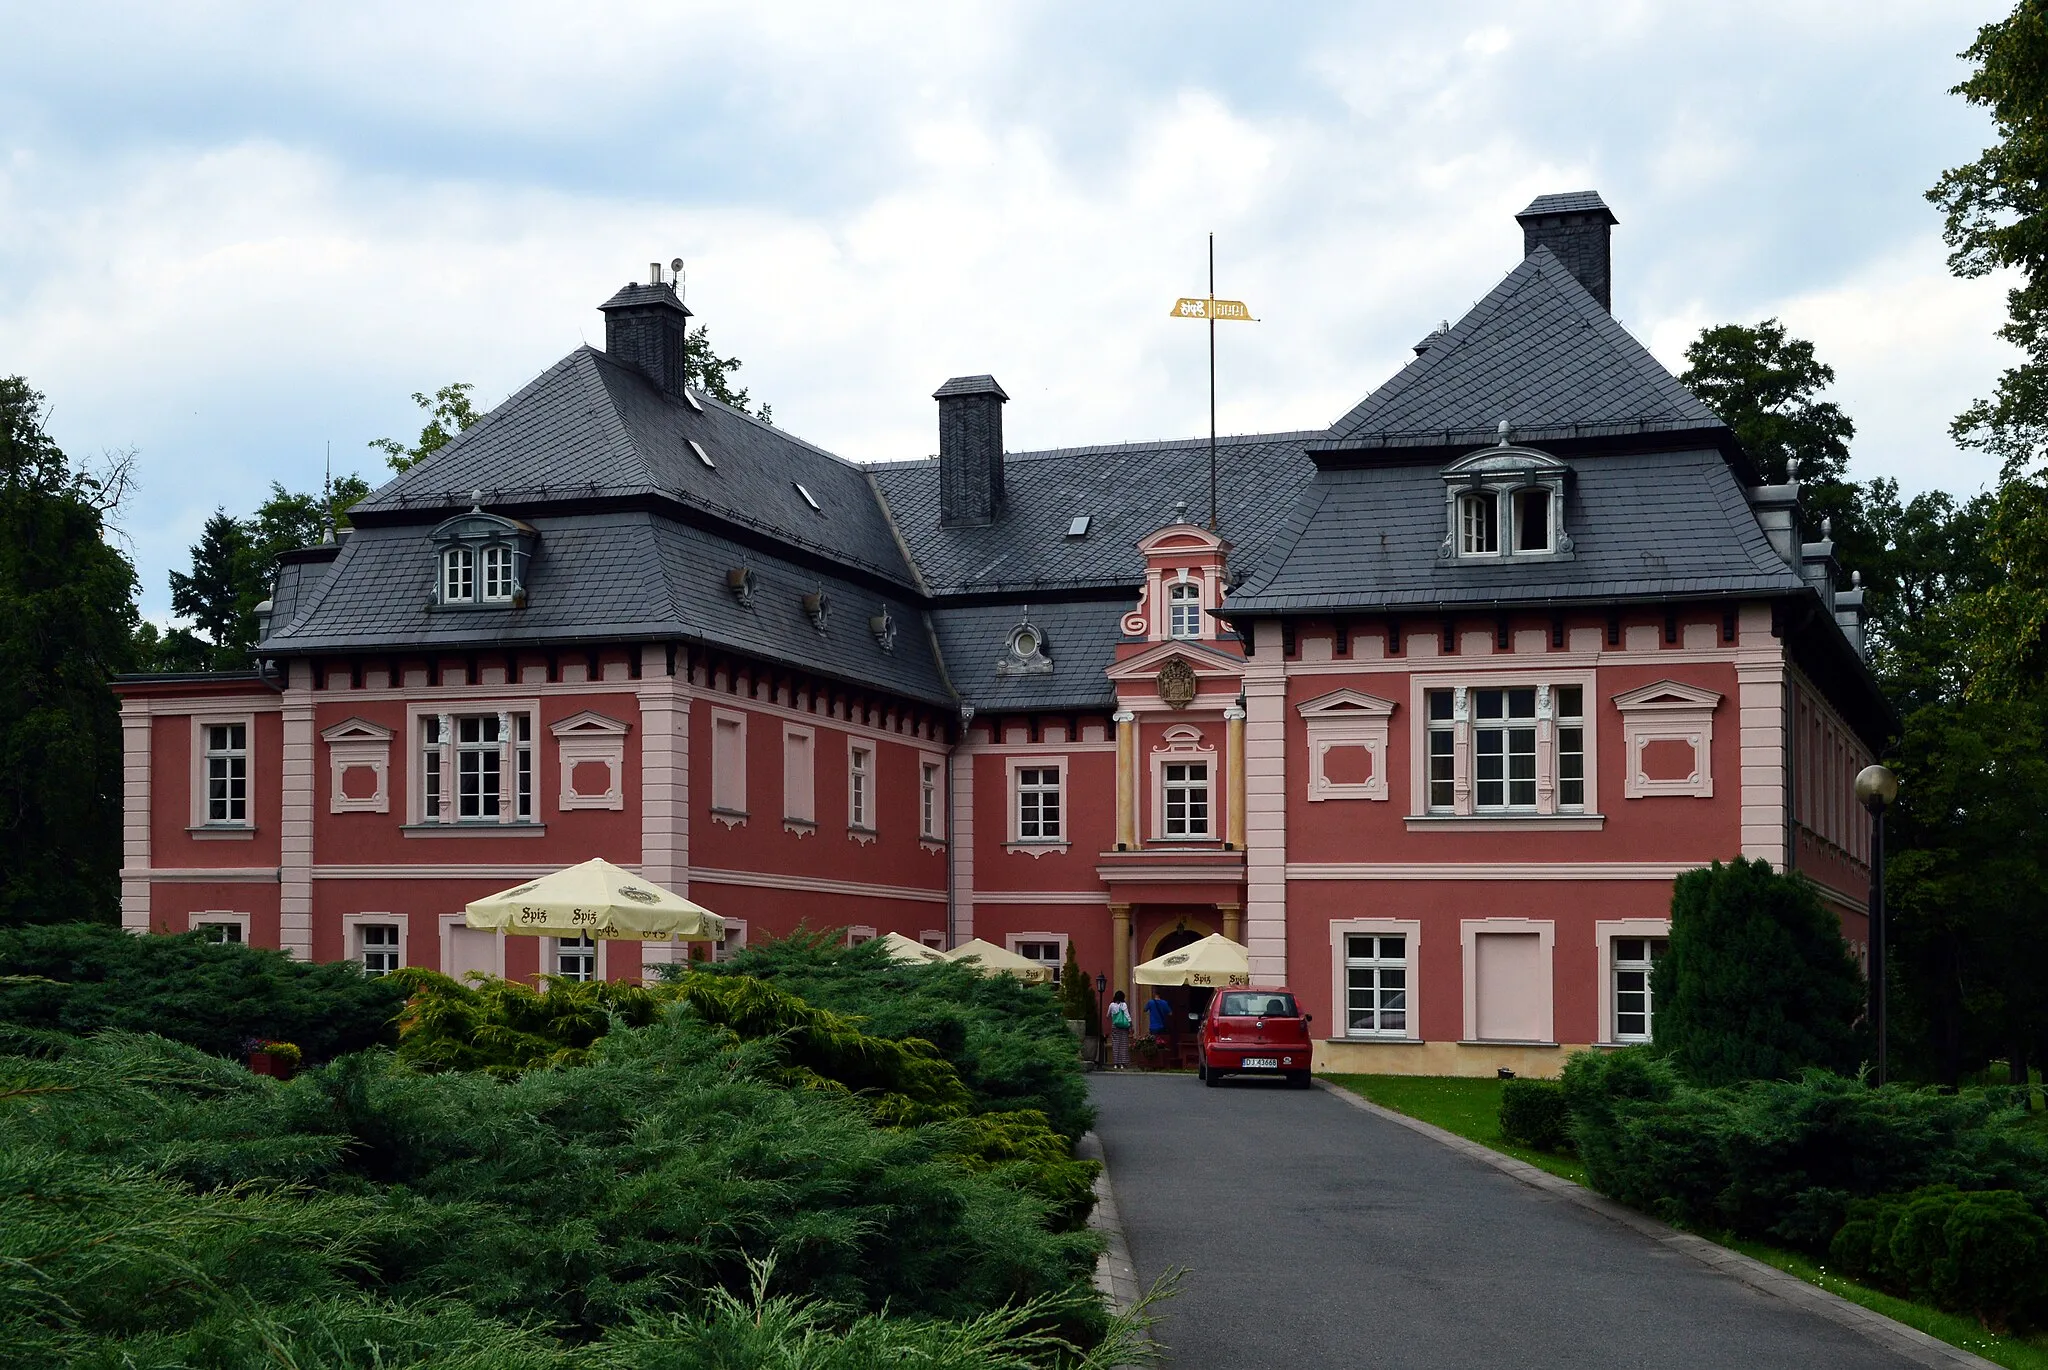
[
  {"x": 1575, "y": 227},
  {"x": 705, "y": 456},
  {"x": 740, "y": 580},
  {"x": 883, "y": 626},
  {"x": 818, "y": 607},
  {"x": 809, "y": 498}
]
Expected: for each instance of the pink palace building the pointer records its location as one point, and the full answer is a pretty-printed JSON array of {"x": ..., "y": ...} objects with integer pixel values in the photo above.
[{"x": 1462, "y": 683}]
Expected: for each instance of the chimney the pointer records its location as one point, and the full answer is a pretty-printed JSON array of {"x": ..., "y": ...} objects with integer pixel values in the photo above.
[
  {"x": 970, "y": 450},
  {"x": 644, "y": 327},
  {"x": 1574, "y": 226}
]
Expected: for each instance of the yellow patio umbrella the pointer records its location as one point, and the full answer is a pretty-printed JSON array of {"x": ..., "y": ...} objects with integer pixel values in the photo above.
[
  {"x": 1214, "y": 962},
  {"x": 991, "y": 957},
  {"x": 901, "y": 948},
  {"x": 598, "y": 900}
]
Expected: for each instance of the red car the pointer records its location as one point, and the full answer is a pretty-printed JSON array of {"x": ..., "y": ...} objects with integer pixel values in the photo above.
[{"x": 1254, "y": 1031}]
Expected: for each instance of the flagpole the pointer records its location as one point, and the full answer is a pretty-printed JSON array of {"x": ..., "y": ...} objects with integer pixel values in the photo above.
[{"x": 1212, "y": 383}]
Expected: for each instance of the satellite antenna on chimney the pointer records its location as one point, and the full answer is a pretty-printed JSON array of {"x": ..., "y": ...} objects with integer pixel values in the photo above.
[{"x": 677, "y": 267}]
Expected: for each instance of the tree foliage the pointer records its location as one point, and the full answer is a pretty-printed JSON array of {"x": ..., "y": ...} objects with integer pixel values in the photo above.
[
  {"x": 714, "y": 374},
  {"x": 67, "y": 624},
  {"x": 449, "y": 411},
  {"x": 1758, "y": 983}
]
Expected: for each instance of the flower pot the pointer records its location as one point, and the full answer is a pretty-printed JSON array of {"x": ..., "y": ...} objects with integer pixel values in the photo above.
[{"x": 271, "y": 1064}]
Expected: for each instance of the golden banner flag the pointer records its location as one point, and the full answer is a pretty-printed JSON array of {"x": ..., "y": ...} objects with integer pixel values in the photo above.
[{"x": 1198, "y": 307}]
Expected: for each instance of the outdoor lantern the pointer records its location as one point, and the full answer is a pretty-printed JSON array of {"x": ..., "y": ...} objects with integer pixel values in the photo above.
[
  {"x": 1101, "y": 982},
  {"x": 1876, "y": 789}
]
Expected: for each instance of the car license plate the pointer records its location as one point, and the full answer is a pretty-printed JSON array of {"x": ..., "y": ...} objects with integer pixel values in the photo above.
[{"x": 1262, "y": 1063}]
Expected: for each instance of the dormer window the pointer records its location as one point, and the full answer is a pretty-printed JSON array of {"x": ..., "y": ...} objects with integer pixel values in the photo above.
[
  {"x": 1184, "y": 609},
  {"x": 458, "y": 576},
  {"x": 497, "y": 572},
  {"x": 1506, "y": 503}
]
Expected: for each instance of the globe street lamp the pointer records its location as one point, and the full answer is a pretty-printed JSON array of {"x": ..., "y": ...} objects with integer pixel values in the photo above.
[{"x": 1876, "y": 788}]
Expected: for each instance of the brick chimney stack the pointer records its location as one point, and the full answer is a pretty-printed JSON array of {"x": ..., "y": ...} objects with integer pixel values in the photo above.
[
  {"x": 970, "y": 450},
  {"x": 1575, "y": 227},
  {"x": 645, "y": 327}
]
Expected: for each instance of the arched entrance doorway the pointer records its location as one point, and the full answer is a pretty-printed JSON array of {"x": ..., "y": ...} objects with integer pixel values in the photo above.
[{"x": 1184, "y": 1006}]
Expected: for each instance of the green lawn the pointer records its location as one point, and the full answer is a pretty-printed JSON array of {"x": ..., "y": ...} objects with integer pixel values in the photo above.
[{"x": 1471, "y": 1109}]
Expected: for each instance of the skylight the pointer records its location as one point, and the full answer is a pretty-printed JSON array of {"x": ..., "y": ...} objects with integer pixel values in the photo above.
[
  {"x": 702, "y": 455},
  {"x": 809, "y": 498},
  {"x": 1079, "y": 527}
]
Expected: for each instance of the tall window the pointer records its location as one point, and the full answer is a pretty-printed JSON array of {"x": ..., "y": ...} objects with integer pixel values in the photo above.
[
  {"x": 1443, "y": 741},
  {"x": 928, "y": 799},
  {"x": 1532, "y": 520},
  {"x": 498, "y": 572},
  {"x": 1634, "y": 959},
  {"x": 377, "y": 947},
  {"x": 1479, "y": 524},
  {"x": 1375, "y": 985},
  {"x": 458, "y": 575},
  {"x": 481, "y": 768},
  {"x": 1187, "y": 798},
  {"x": 1038, "y": 804},
  {"x": 1571, "y": 747},
  {"x": 227, "y": 773},
  {"x": 576, "y": 958},
  {"x": 860, "y": 802},
  {"x": 1184, "y": 609},
  {"x": 1504, "y": 748}
]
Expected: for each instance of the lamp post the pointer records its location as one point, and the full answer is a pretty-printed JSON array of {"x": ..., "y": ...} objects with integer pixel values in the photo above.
[{"x": 1876, "y": 788}]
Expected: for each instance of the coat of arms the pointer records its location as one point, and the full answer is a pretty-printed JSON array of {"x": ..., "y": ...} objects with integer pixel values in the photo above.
[{"x": 1177, "y": 683}]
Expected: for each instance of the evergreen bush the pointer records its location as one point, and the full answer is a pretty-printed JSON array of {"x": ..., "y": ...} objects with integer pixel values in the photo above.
[
  {"x": 1757, "y": 983},
  {"x": 1534, "y": 1113},
  {"x": 1982, "y": 1252},
  {"x": 217, "y": 996}
]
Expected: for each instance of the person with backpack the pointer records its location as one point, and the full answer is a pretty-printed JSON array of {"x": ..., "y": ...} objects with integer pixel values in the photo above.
[{"x": 1119, "y": 1032}]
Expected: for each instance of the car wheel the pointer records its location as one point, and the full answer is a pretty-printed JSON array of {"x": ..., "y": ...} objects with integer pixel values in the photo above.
[
  {"x": 1298, "y": 1079},
  {"x": 1211, "y": 1076}
]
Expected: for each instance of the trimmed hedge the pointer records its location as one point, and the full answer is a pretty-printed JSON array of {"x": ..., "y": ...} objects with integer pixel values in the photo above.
[
  {"x": 1983, "y": 1252},
  {"x": 1534, "y": 1113}
]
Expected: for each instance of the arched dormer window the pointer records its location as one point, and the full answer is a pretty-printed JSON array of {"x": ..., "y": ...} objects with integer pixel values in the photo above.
[
  {"x": 1184, "y": 609},
  {"x": 482, "y": 561},
  {"x": 1506, "y": 503},
  {"x": 458, "y": 575}
]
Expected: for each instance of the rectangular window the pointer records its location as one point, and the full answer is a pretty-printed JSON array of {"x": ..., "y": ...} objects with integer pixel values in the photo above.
[
  {"x": 1479, "y": 524},
  {"x": 220, "y": 932},
  {"x": 576, "y": 958},
  {"x": 227, "y": 773},
  {"x": 497, "y": 572},
  {"x": 1038, "y": 804},
  {"x": 799, "y": 777},
  {"x": 482, "y": 744},
  {"x": 1634, "y": 959},
  {"x": 1047, "y": 954},
  {"x": 1571, "y": 747},
  {"x": 430, "y": 768},
  {"x": 377, "y": 947},
  {"x": 1442, "y": 748},
  {"x": 1184, "y": 609},
  {"x": 728, "y": 764},
  {"x": 928, "y": 800},
  {"x": 733, "y": 942},
  {"x": 1187, "y": 799},
  {"x": 860, "y": 802},
  {"x": 1504, "y": 748},
  {"x": 1375, "y": 985},
  {"x": 479, "y": 763},
  {"x": 1532, "y": 520}
]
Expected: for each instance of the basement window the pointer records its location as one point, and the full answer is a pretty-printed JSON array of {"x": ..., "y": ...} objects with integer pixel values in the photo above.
[
  {"x": 702, "y": 455},
  {"x": 809, "y": 498}
]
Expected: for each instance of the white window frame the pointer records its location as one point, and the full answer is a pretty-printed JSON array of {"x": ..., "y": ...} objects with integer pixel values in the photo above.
[
  {"x": 449, "y": 923},
  {"x": 931, "y": 797},
  {"x": 1195, "y": 795},
  {"x": 1463, "y": 724},
  {"x": 935, "y": 938},
  {"x": 1184, "y": 609},
  {"x": 591, "y": 738},
  {"x": 202, "y": 819},
  {"x": 800, "y": 780},
  {"x": 1472, "y": 506},
  {"x": 1014, "y": 943},
  {"x": 458, "y": 575},
  {"x": 352, "y": 925},
  {"x": 1512, "y": 527},
  {"x": 735, "y": 940},
  {"x": 728, "y": 804},
  {"x": 220, "y": 918},
  {"x": 1058, "y": 766},
  {"x": 862, "y": 764},
  {"x": 553, "y": 964},
  {"x": 448, "y": 751},
  {"x": 859, "y": 933},
  {"x": 1545, "y": 929},
  {"x": 495, "y": 576},
  {"x": 1605, "y": 933},
  {"x": 1341, "y": 929},
  {"x": 1184, "y": 744}
]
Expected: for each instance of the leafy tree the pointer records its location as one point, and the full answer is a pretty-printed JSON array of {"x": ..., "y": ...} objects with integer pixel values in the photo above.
[
  {"x": 1758, "y": 983},
  {"x": 449, "y": 411},
  {"x": 712, "y": 372},
  {"x": 1925, "y": 555},
  {"x": 1766, "y": 386},
  {"x": 213, "y": 594},
  {"x": 67, "y": 623},
  {"x": 1996, "y": 211}
]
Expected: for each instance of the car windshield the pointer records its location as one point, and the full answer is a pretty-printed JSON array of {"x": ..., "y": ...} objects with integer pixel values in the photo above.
[{"x": 1257, "y": 1004}]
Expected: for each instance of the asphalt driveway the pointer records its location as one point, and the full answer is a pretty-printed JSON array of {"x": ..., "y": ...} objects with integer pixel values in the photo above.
[{"x": 1318, "y": 1236}]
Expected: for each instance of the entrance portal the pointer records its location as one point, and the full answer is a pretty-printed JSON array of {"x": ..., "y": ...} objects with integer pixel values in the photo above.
[{"x": 1185, "y": 1004}]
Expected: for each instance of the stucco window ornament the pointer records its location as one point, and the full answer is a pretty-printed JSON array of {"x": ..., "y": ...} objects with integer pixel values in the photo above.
[
  {"x": 359, "y": 759},
  {"x": 740, "y": 580},
  {"x": 1667, "y": 737},
  {"x": 590, "y": 754},
  {"x": 1028, "y": 652},
  {"x": 818, "y": 608},
  {"x": 1176, "y": 683},
  {"x": 481, "y": 560},
  {"x": 1347, "y": 745},
  {"x": 1505, "y": 504},
  {"x": 883, "y": 626}
]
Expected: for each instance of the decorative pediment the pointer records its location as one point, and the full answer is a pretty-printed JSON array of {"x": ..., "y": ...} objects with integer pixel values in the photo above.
[
  {"x": 589, "y": 724},
  {"x": 476, "y": 525},
  {"x": 1503, "y": 465},
  {"x": 1667, "y": 696},
  {"x": 1345, "y": 704},
  {"x": 1201, "y": 659},
  {"x": 1181, "y": 537},
  {"x": 356, "y": 730}
]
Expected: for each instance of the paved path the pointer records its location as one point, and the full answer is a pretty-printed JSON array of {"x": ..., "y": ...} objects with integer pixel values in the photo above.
[{"x": 1317, "y": 1236}]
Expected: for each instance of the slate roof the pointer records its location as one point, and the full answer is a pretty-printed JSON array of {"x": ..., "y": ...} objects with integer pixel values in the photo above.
[
  {"x": 1643, "y": 525},
  {"x": 1080, "y": 637},
  {"x": 1127, "y": 490},
  {"x": 1539, "y": 352},
  {"x": 590, "y": 428},
  {"x": 607, "y": 577},
  {"x": 1570, "y": 202}
]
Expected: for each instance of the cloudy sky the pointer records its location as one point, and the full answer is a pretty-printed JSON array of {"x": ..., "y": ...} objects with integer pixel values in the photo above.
[{"x": 232, "y": 234}]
